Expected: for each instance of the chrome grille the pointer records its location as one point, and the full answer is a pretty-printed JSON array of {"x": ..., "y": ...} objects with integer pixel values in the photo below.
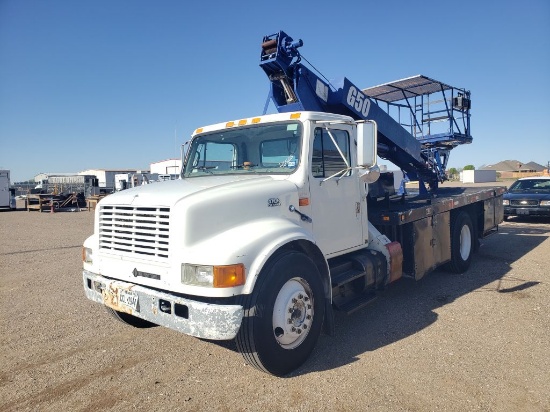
[
  {"x": 524, "y": 203},
  {"x": 134, "y": 230}
]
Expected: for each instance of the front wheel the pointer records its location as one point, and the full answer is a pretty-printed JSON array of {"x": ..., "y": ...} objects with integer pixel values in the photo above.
[
  {"x": 462, "y": 242},
  {"x": 283, "y": 315}
]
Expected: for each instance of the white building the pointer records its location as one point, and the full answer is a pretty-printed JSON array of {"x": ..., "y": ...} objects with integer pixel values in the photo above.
[
  {"x": 478, "y": 176},
  {"x": 106, "y": 177},
  {"x": 166, "y": 167},
  {"x": 43, "y": 177}
]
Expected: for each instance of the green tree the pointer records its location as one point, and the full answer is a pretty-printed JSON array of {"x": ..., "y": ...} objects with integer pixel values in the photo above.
[
  {"x": 452, "y": 173},
  {"x": 469, "y": 167}
]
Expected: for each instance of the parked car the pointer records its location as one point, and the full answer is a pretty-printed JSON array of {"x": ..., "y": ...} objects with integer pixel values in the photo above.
[{"x": 529, "y": 196}]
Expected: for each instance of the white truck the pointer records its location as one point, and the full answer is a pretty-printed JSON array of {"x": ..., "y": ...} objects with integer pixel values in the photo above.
[
  {"x": 7, "y": 195},
  {"x": 274, "y": 223}
]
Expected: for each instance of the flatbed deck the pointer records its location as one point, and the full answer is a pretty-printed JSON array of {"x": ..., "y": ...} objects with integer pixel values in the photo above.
[{"x": 399, "y": 210}]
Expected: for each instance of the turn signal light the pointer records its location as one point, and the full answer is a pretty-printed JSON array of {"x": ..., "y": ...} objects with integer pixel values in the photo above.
[
  {"x": 229, "y": 276},
  {"x": 87, "y": 255}
]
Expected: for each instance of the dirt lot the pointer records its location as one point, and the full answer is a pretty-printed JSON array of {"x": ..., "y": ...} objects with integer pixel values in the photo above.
[{"x": 477, "y": 341}]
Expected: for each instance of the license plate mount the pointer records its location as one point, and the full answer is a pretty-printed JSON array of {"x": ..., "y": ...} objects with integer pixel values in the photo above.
[
  {"x": 128, "y": 298},
  {"x": 119, "y": 297},
  {"x": 522, "y": 212}
]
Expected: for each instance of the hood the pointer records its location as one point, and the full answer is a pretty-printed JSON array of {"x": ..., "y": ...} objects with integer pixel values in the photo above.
[
  {"x": 203, "y": 208},
  {"x": 168, "y": 193}
]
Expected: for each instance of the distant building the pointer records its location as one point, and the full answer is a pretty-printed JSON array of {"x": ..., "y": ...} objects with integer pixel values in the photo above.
[
  {"x": 61, "y": 183},
  {"x": 106, "y": 177},
  {"x": 478, "y": 176},
  {"x": 515, "y": 169},
  {"x": 166, "y": 167},
  {"x": 42, "y": 178}
]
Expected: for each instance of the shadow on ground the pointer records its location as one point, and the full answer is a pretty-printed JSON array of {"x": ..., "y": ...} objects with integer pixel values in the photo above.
[{"x": 408, "y": 306}]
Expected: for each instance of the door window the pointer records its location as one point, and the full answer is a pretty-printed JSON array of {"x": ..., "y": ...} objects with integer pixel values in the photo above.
[{"x": 327, "y": 160}]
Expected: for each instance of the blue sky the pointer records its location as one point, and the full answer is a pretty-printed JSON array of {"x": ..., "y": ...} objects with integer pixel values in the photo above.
[{"x": 122, "y": 83}]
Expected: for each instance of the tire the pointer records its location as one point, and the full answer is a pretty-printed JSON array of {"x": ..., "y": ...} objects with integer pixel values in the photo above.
[
  {"x": 283, "y": 315},
  {"x": 129, "y": 319},
  {"x": 462, "y": 242}
]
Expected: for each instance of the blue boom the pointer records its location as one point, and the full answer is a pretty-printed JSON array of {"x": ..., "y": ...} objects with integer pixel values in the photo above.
[{"x": 294, "y": 87}]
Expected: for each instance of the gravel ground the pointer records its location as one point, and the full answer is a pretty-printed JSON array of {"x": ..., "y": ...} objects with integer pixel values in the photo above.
[{"x": 477, "y": 341}]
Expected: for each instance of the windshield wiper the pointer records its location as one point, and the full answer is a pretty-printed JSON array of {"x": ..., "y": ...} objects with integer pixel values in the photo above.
[{"x": 205, "y": 168}]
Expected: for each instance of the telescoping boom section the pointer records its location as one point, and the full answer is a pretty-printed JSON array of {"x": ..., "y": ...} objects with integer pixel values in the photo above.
[{"x": 419, "y": 119}]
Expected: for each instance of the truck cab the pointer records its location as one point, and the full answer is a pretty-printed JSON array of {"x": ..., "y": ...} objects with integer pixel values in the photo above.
[{"x": 313, "y": 153}]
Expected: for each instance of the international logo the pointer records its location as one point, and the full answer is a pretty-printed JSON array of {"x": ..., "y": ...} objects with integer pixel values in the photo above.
[
  {"x": 137, "y": 273},
  {"x": 274, "y": 201}
]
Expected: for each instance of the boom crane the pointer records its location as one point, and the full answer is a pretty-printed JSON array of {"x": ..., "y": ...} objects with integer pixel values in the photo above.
[{"x": 421, "y": 152}]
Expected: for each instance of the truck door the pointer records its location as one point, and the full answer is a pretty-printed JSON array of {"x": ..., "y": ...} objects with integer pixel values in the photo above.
[{"x": 336, "y": 202}]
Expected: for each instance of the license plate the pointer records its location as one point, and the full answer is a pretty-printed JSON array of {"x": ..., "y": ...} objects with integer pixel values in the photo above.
[
  {"x": 522, "y": 212},
  {"x": 118, "y": 298},
  {"x": 128, "y": 298}
]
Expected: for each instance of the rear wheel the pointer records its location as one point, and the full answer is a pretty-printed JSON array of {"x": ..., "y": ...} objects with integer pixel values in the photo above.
[
  {"x": 462, "y": 242},
  {"x": 129, "y": 319},
  {"x": 283, "y": 315}
]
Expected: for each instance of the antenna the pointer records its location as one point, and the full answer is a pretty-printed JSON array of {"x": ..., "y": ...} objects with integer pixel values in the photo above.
[{"x": 175, "y": 140}]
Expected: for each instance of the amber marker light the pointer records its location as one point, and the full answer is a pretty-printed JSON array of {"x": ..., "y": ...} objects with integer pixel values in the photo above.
[
  {"x": 386, "y": 218},
  {"x": 256, "y": 120},
  {"x": 229, "y": 276},
  {"x": 242, "y": 122},
  {"x": 199, "y": 130},
  {"x": 303, "y": 201},
  {"x": 295, "y": 115},
  {"x": 230, "y": 124}
]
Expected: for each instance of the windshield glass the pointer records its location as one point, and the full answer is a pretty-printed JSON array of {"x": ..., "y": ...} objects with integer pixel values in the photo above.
[
  {"x": 262, "y": 149},
  {"x": 532, "y": 185}
]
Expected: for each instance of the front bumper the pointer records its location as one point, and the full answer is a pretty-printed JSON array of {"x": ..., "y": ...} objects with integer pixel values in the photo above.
[
  {"x": 526, "y": 211},
  {"x": 202, "y": 320}
]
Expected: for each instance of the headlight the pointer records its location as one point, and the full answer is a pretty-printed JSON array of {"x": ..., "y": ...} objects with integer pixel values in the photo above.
[
  {"x": 545, "y": 202},
  {"x": 197, "y": 275},
  {"x": 213, "y": 276},
  {"x": 87, "y": 255},
  {"x": 506, "y": 202}
]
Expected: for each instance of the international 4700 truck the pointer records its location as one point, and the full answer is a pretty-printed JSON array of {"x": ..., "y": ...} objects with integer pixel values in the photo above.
[{"x": 280, "y": 219}]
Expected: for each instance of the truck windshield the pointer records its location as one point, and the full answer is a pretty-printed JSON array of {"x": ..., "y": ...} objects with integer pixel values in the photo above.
[{"x": 262, "y": 149}]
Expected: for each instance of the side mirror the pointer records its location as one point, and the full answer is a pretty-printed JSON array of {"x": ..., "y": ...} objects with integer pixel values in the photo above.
[
  {"x": 367, "y": 136},
  {"x": 370, "y": 175}
]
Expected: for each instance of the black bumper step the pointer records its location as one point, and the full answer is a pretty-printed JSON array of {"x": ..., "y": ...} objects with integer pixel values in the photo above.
[{"x": 349, "y": 275}]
